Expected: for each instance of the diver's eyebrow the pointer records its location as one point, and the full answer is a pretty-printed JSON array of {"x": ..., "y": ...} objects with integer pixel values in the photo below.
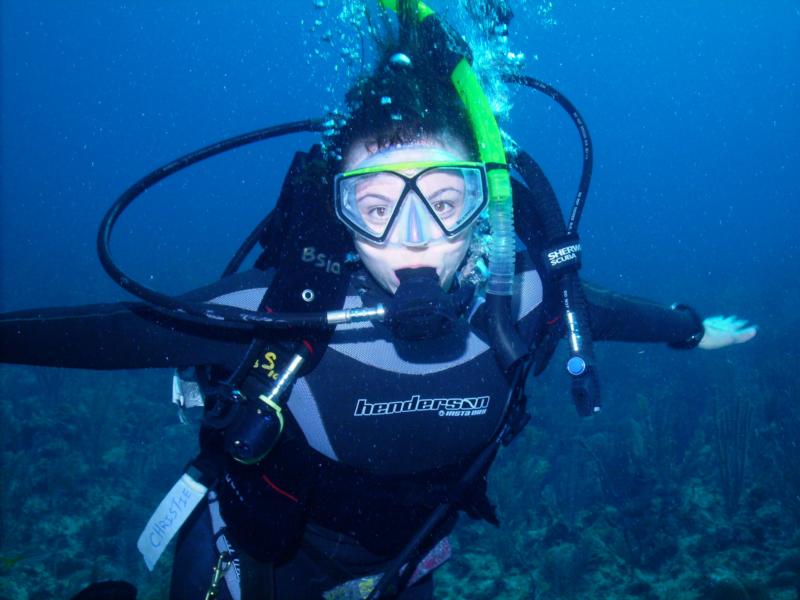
[
  {"x": 365, "y": 187},
  {"x": 442, "y": 191},
  {"x": 361, "y": 197}
]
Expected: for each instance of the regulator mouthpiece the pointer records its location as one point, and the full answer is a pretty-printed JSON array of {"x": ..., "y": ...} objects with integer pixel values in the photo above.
[{"x": 421, "y": 309}]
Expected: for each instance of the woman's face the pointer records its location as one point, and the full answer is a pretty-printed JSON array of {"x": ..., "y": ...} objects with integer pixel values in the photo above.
[{"x": 415, "y": 239}]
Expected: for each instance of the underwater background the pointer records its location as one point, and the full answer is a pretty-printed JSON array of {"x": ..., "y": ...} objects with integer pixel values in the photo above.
[{"x": 686, "y": 486}]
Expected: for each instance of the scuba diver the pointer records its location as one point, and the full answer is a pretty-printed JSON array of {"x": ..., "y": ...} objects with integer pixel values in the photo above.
[{"x": 358, "y": 381}]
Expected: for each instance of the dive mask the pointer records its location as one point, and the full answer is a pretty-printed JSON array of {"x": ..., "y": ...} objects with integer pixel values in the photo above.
[{"x": 439, "y": 201}]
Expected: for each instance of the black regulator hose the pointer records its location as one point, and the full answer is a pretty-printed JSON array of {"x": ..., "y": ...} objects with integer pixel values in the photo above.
[
  {"x": 586, "y": 142},
  {"x": 561, "y": 259},
  {"x": 224, "y": 316}
]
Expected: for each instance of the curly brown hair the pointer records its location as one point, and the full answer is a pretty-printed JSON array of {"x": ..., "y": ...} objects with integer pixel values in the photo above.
[{"x": 408, "y": 96}]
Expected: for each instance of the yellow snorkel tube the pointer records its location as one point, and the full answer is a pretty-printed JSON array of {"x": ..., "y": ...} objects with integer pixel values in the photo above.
[{"x": 501, "y": 209}]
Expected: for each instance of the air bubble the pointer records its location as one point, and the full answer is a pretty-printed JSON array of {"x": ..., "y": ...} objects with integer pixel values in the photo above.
[{"x": 400, "y": 60}]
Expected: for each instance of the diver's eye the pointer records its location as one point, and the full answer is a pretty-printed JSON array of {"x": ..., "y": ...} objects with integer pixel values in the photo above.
[
  {"x": 448, "y": 206},
  {"x": 377, "y": 212},
  {"x": 444, "y": 208}
]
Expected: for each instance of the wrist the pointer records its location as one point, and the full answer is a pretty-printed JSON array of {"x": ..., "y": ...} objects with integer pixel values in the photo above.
[{"x": 693, "y": 340}]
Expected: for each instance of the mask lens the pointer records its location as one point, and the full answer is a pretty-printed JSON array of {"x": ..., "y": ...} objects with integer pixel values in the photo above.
[
  {"x": 367, "y": 202},
  {"x": 453, "y": 195}
]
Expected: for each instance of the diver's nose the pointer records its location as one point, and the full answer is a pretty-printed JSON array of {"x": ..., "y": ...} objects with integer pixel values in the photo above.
[
  {"x": 414, "y": 223},
  {"x": 415, "y": 226}
]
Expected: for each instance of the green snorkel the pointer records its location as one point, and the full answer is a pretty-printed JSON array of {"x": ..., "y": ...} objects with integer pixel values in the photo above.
[{"x": 508, "y": 347}]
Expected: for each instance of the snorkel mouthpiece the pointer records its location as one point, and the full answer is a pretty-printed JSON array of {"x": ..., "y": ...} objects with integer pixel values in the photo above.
[{"x": 421, "y": 309}]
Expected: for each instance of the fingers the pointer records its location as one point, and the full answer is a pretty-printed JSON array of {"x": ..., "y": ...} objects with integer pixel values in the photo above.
[
  {"x": 721, "y": 331},
  {"x": 732, "y": 324},
  {"x": 745, "y": 335}
]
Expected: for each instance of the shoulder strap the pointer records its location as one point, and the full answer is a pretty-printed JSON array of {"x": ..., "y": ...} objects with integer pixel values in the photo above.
[{"x": 306, "y": 247}]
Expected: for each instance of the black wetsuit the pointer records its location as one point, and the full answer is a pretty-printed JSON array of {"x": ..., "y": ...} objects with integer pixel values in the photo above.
[{"x": 377, "y": 433}]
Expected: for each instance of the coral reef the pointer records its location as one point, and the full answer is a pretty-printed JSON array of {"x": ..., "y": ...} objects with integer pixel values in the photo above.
[
  {"x": 685, "y": 488},
  {"x": 669, "y": 495},
  {"x": 85, "y": 457}
]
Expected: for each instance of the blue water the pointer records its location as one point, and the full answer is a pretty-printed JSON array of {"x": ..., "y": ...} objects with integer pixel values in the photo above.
[{"x": 694, "y": 109}]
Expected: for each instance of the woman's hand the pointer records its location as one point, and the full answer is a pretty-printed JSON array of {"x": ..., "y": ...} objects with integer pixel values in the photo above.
[{"x": 723, "y": 331}]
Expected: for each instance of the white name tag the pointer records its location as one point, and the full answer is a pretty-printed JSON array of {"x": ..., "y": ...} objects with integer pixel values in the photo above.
[
  {"x": 186, "y": 392},
  {"x": 173, "y": 511}
]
